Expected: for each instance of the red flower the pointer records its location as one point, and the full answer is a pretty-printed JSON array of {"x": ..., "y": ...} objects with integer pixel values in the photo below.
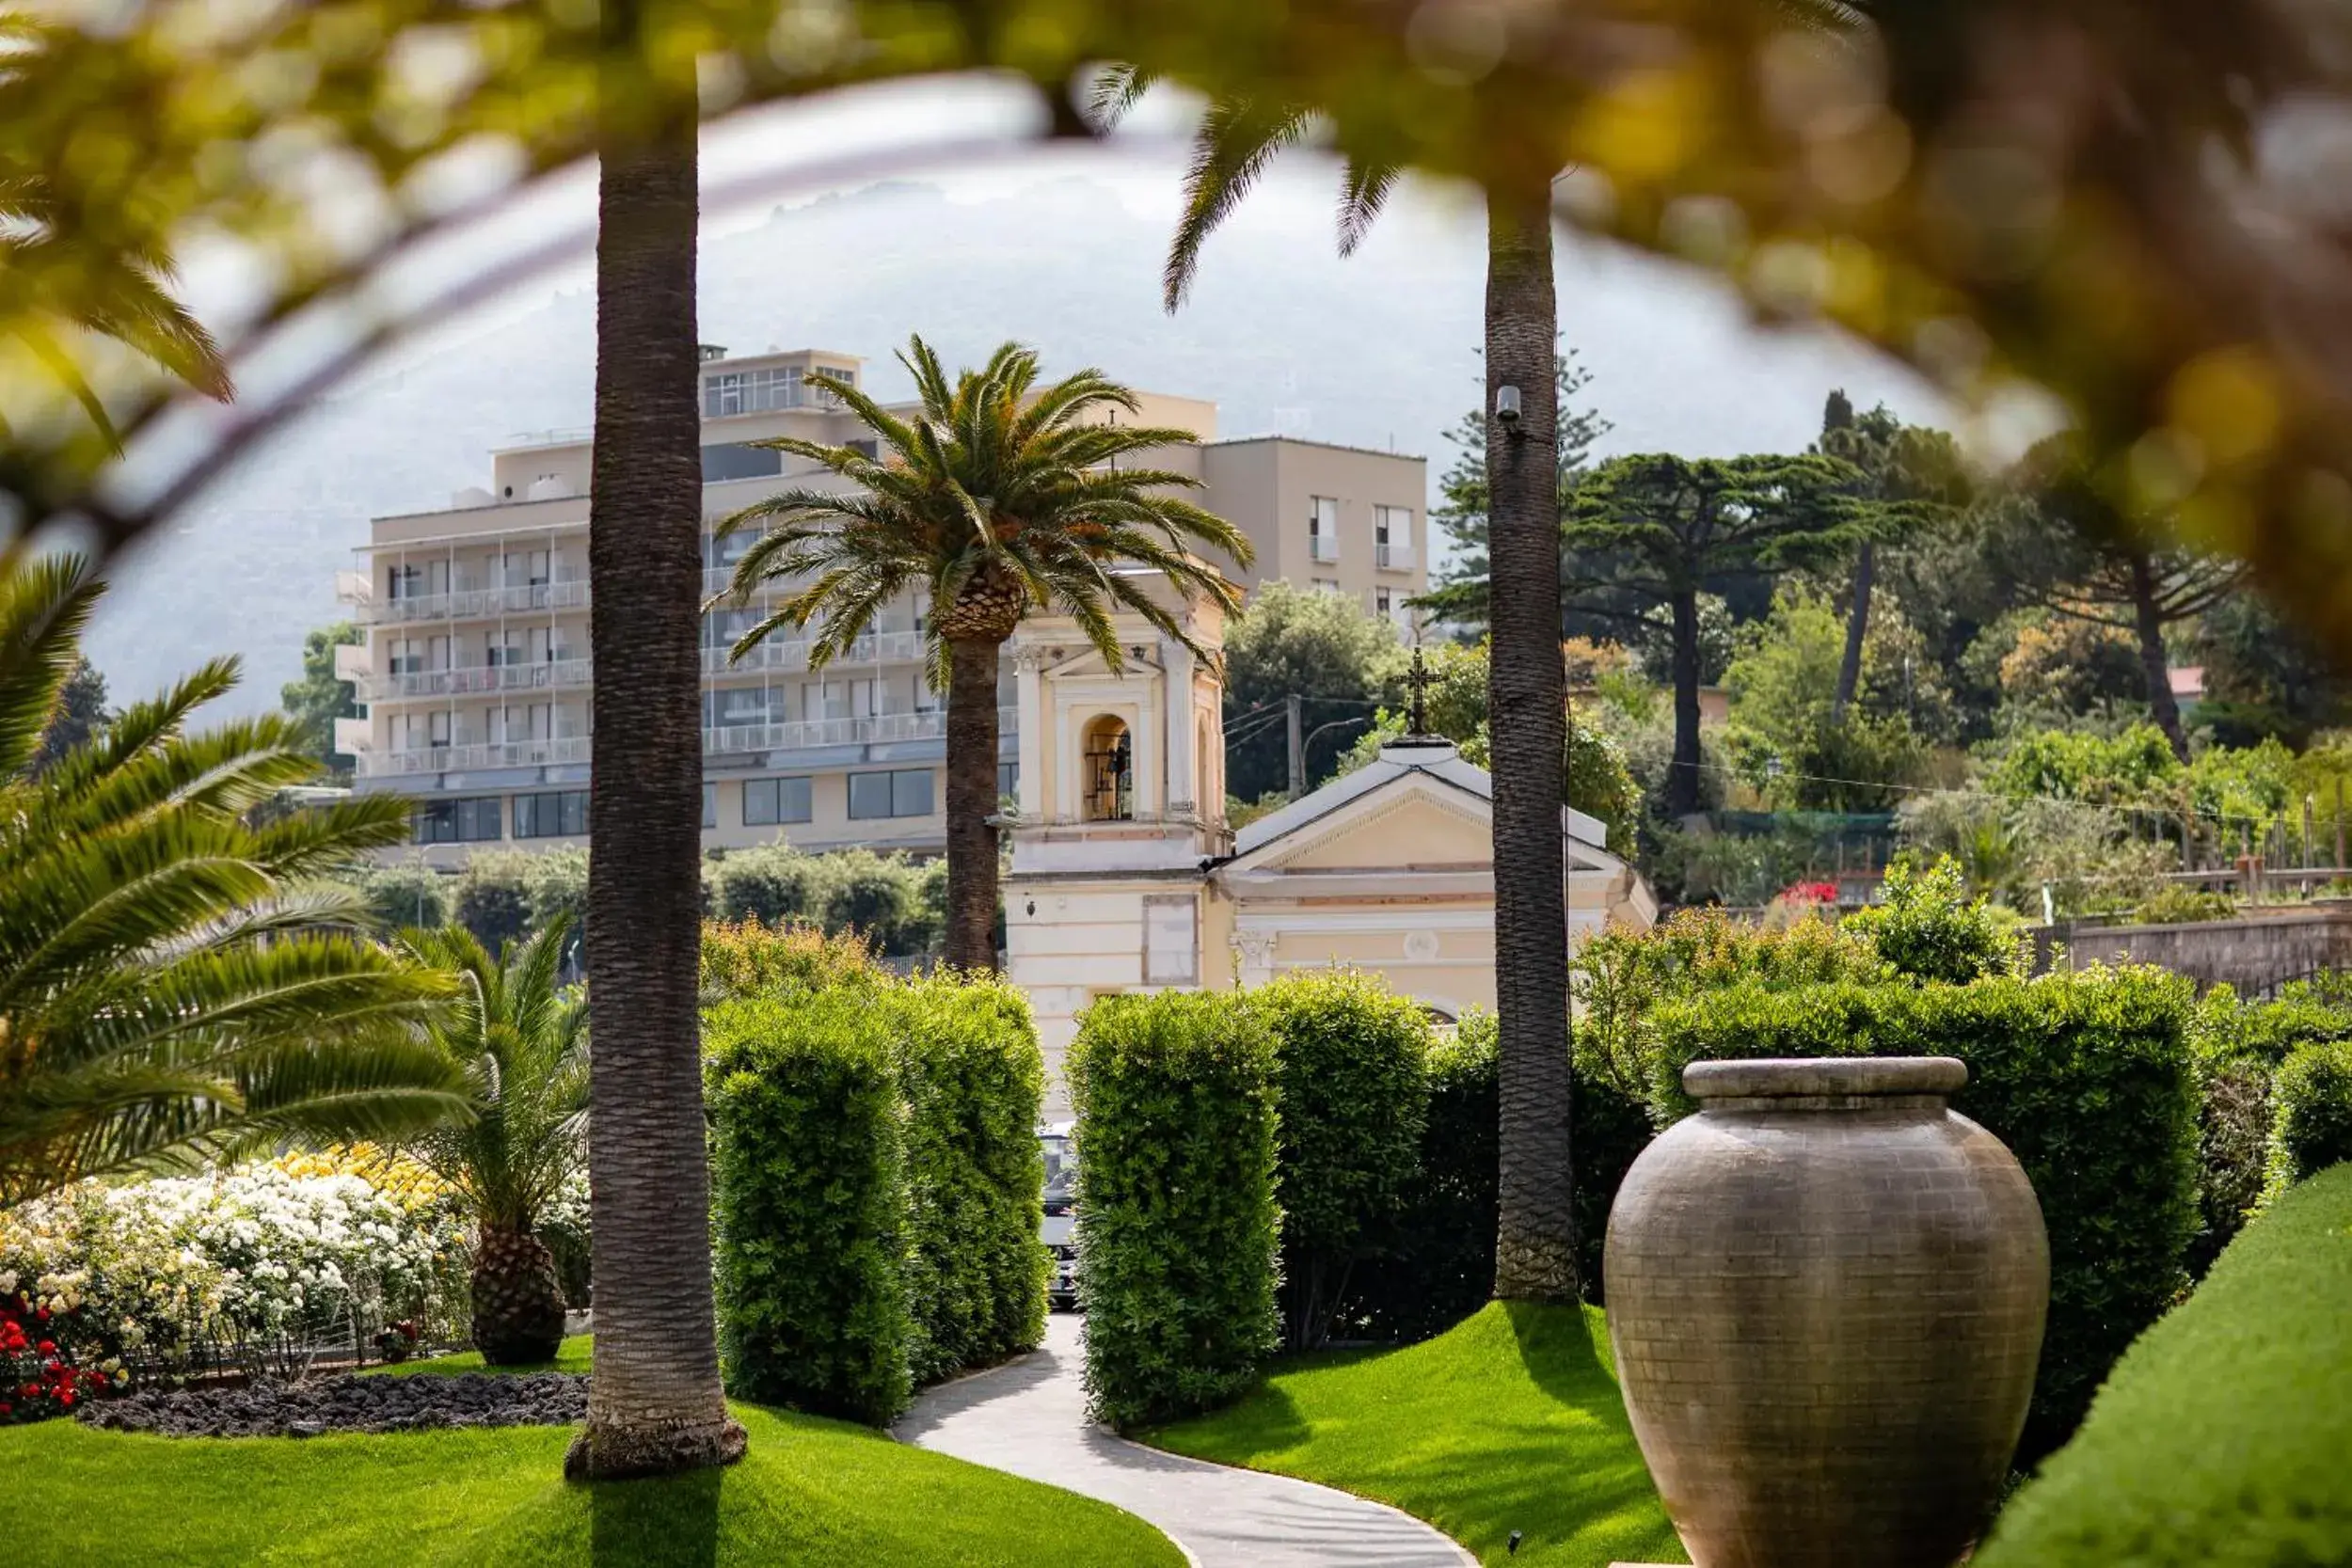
[
  {"x": 47, "y": 1347},
  {"x": 42, "y": 1313},
  {"x": 66, "y": 1397}
]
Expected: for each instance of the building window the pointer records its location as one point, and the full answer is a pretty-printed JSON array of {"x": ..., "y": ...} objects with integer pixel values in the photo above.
[
  {"x": 728, "y": 460},
  {"x": 1383, "y": 603},
  {"x": 1322, "y": 527},
  {"x": 556, "y": 814},
  {"x": 1109, "y": 757},
  {"x": 1392, "y": 537},
  {"x": 865, "y": 447},
  {"x": 710, "y": 805},
  {"x": 1324, "y": 585},
  {"x": 902, "y": 792},
  {"x": 768, "y": 801},
  {"x": 472, "y": 820},
  {"x": 1008, "y": 781}
]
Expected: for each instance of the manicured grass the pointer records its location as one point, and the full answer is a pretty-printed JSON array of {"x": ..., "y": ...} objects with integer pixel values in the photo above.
[
  {"x": 1511, "y": 1420},
  {"x": 2224, "y": 1437},
  {"x": 570, "y": 1356},
  {"x": 811, "y": 1492}
]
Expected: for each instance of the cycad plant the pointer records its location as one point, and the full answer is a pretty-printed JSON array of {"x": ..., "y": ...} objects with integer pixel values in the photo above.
[
  {"x": 521, "y": 1042},
  {"x": 178, "y": 981},
  {"x": 998, "y": 497}
]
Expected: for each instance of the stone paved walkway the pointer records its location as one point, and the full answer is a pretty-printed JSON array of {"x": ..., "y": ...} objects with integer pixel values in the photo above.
[{"x": 1028, "y": 1416}]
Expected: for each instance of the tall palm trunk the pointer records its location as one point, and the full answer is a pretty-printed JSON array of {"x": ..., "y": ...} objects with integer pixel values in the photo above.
[
  {"x": 655, "y": 1405},
  {"x": 2148, "y": 619},
  {"x": 1527, "y": 697},
  {"x": 972, "y": 801},
  {"x": 1857, "y": 628},
  {"x": 1682, "y": 773}
]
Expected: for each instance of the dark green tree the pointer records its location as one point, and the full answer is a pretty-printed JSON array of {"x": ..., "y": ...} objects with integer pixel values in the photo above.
[
  {"x": 80, "y": 714},
  {"x": 2066, "y": 543},
  {"x": 1904, "y": 476},
  {"x": 1658, "y": 529},
  {"x": 321, "y": 697},
  {"x": 1322, "y": 647}
]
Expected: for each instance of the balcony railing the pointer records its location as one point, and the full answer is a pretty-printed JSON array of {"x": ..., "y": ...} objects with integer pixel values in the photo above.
[
  {"x": 475, "y": 678},
  {"x": 467, "y": 604},
  {"x": 1323, "y": 547},
  {"x": 495, "y": 753},
  {"x": 1392, "y": 558},
  {"x": 882, "y": 647},
  {"x": 877, "y": 728}
]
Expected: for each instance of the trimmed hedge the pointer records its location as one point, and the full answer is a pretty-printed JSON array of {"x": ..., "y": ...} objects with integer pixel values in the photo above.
[
  {"x": 1175, "y": 1096},
  {"x": 1439, "y": 1266},
  {"x": 809, "y": 1195},
  {"x": 2314, "y": 1129},
  {"x": 972, "y": 1077},
  {"x": 877, "y": 1179},
  {"x": 1350, "y": 1060},
  {"x": 2087, "y": 1077},
  {"x": 747, "y": 959},
  {"x": 2220, "y": 1441}
]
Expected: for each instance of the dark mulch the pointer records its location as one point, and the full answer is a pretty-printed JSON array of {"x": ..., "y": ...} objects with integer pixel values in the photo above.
[{"x": 346, "y": 1404}]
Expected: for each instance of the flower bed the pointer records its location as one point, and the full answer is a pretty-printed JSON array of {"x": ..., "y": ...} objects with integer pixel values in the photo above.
[{"x": 255, "y": 1270}]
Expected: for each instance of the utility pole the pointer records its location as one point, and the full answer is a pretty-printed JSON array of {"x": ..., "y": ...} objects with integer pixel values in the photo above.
[{"x": 1299, "y": 746}]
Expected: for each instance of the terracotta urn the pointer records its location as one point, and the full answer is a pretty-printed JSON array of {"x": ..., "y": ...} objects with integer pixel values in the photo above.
[{"x": 1825, "y": 1294}]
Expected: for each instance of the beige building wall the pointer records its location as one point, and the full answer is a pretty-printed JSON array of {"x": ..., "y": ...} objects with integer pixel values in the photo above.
[{"x": 1271, "y": 486}]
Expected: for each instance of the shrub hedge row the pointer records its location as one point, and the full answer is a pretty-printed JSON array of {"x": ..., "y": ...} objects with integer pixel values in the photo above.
[
  {"x": 876, "y": 1179},
  {"x": 2087, "y": 1077},
  {"x": 2220, "y": 1441},
  {"x": 1175, "y": 1095},
  {"x": 1351, "y": 1073},
  {"x": 2314, "y": 1126}
]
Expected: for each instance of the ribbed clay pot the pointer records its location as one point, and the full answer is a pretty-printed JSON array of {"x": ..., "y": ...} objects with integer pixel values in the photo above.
[{"x": 1826, "y": 1293}]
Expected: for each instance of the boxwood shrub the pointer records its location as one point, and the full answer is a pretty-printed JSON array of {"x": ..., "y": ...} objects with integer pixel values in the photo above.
[
  {"x": 1175, "y": 1097},
  {"x": 2313, "y": 1129},
  {"x": 2087, "y": 1077},
  {"x": 972, "y": 1077},
  {"x": 2219, "y": 1441},
  {"x": 1350, "y": 1057},
  {"x": 809, "y": 1198}
]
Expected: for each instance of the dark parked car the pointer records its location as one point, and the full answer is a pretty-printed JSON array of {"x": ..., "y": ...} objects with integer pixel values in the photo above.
[{"x": 1060, "y": 1230}]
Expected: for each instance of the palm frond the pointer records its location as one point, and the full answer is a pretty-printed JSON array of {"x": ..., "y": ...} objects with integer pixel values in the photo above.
[
  {"x": 44, "y": 607},
  {"x": 1237, "y": 140}
]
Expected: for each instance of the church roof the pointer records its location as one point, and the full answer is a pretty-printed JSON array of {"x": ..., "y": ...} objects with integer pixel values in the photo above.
[{"x": 1427, "y": 756}]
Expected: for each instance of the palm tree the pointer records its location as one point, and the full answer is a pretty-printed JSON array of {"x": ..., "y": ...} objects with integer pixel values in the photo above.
[
  {"x": 66, "y": 270},
  {"x": 997, "y": 498},
  {"x": 1527, "y": 689},
  {"x": 522, "y": 1046},
  {"x": 178, "y": 981},
  {"x": 656, "y": 1406}
]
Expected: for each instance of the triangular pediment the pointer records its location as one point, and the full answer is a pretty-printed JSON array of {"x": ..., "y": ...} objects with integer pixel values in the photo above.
[{"x": 1412, "y": 820}]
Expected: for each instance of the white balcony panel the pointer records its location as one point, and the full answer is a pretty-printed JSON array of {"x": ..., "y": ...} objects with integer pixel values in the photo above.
[
  {"x": 881, "y": 728},
  {"x": 791, "y": 654},
  {"x": 1392, "y": 558},
  {"x": 551, "y": 675},
  {"x": 354, "y": 735},
  {"x": 474, "y": 604},
  {"x": 1323, "y": 547},
  {"x": 353, "y": 663},
  {"x": 444, "y": 759},
  {"x": 354, "y": 588}
]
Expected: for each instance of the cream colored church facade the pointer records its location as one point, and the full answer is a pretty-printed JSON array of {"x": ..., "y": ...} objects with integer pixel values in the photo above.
[{"x": 1125, "y": 878}]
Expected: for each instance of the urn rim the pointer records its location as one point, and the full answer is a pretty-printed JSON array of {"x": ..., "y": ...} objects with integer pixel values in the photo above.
[{"x": 1833, "y": 1077}]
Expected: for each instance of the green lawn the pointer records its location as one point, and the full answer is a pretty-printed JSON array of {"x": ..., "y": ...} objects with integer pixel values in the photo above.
[
  {"x": 1509, "y": 1421},
  {"x": 811, "y": 1492}
]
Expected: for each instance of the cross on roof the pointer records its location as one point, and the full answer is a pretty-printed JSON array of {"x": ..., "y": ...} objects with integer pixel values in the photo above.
[{"x": 1416, "y": 713}]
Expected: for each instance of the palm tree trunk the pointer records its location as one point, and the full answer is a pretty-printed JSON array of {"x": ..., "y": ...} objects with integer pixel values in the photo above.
[
  {"x": 2148, "y": 619},
  {"x": 1682, "y": 773},
  {"x": 655, "y": 1405},
  {"x": 1527, "y": 698},
  {"x": 972, "y": 804},
  {"x": 1857, "y": 628}
]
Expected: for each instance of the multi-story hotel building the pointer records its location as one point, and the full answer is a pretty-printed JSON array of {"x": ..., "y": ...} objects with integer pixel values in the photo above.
[{"x": 475, "y": 673}]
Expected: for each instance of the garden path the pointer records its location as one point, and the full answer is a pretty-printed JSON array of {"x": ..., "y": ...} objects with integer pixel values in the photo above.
[{"x": 1028, "y": 1416}]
